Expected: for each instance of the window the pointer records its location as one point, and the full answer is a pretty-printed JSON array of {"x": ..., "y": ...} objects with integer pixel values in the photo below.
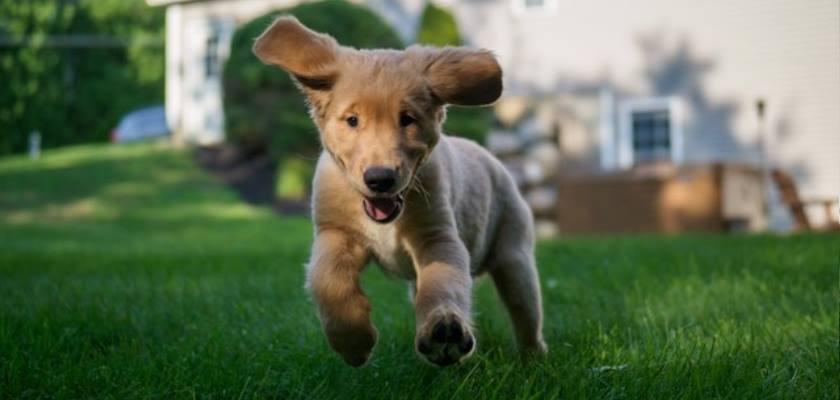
[
  {"x": 523, "y": 7},
  {"x": 651, "y": 135},
  {"x": 211, "y": 56},
  {"x": 534, "y": 3},
  {"x": 650, "y": 131}
]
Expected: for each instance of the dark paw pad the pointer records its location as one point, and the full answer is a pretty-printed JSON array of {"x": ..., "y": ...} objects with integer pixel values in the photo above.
[{"x": 447, "y": 342}]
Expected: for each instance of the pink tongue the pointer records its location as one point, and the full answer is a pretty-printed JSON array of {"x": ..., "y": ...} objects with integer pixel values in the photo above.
[{"x": 380, "y": 209}]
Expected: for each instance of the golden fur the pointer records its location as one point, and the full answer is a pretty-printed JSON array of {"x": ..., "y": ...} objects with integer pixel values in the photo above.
[{"x": 463, "y": 214}]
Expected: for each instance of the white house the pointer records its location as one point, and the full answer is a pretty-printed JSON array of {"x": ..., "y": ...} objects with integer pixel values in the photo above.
[{"x": 621, "y": 82}]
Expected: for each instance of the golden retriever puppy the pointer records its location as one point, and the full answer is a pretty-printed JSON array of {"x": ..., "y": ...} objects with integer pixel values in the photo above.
[{"x": 390, "y": 187}]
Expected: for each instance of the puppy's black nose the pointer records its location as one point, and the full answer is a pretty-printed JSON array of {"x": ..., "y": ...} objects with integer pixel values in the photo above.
[{"x": 380, "y": 179}]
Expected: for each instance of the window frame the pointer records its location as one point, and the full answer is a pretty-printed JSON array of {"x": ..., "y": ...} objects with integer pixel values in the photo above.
[
  {"x": 212, "y": 59},
  {"x": 519, "y": 8},
  {"x": 672, "y": 105}
]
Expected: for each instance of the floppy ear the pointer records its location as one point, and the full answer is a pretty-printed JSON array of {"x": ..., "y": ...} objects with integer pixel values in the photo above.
[
  {"x": 462, "y": 76},
  {"x": 310, "y": 57}
]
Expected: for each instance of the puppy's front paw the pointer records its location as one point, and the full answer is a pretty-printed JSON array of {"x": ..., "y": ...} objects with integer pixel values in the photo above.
[
  {"x": 533, "y": 350},
  {"x": 354, "y": 345},
  {"x": 445, "y": 339}
]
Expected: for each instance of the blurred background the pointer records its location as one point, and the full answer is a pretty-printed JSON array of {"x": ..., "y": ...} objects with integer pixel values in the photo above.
[{"x": 644, "y": 116}]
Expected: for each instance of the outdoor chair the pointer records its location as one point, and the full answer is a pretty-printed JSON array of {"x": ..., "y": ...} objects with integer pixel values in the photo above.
[{"x": 797, "y": 205}]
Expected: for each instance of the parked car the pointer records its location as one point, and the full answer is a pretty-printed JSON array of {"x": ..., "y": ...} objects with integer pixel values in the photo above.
[{"x": 141, "y": 124}]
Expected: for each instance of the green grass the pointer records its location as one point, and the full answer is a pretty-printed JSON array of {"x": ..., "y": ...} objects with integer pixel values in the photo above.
[{"x": 125, "y": 272}]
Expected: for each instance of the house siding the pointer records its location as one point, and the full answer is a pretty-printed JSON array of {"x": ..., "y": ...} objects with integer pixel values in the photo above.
[{"x": 717, "y": 57}]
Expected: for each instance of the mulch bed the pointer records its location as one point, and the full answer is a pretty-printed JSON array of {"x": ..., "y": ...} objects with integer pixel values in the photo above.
[{"x": 252, "y": 173}]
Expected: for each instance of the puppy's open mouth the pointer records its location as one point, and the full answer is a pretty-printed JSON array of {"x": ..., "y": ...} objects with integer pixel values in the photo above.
[{"x": 383, "y": 209}]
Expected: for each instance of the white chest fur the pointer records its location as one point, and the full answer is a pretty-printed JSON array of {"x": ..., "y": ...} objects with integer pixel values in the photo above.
[{"x": 388, "y": 250}]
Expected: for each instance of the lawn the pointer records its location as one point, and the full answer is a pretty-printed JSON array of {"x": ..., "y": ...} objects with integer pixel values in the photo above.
[{"x": 126, "y": 272}]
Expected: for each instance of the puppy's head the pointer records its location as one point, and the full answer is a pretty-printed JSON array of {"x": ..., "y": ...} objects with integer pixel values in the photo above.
[{"x": 379, "y": 112}]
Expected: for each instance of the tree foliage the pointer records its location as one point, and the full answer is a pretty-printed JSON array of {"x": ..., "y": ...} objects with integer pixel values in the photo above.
[
  {"x": 438, "y": 27},
  {"x": 74, "y": 93}
]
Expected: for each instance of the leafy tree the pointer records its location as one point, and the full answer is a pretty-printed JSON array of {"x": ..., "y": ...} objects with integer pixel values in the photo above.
[
  {"x": 438, "y": 27},
  {"x": 76, "y": 92}
]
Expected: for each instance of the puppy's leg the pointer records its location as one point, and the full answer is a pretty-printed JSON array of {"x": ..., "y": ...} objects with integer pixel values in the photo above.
[
  {"x": 513, "y": 268},
  {"x": 333, "y": 278},
  {"x": 443, "y": 301},
  {"x": 517, "y": 282}
]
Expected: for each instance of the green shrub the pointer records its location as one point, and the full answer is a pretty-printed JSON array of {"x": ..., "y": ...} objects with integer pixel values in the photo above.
[
  {"x": 262, "y": 105},
  {"x": 438, "y": 28},
  {"x": 293, "y": 179}
]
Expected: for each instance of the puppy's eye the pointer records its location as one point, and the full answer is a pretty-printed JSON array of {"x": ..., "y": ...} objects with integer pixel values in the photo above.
[
  {"x": 406, "y": 120},
  {"x": 353, "y": 121}
]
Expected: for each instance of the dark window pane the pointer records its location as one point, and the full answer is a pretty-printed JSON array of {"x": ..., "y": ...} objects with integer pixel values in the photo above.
[
  {"x": 651, "y": 135},
  {"x": 211, "y": 57}
]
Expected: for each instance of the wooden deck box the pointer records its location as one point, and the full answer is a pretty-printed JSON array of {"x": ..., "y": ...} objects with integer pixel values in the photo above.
[{"x": 663, "y": 199}]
